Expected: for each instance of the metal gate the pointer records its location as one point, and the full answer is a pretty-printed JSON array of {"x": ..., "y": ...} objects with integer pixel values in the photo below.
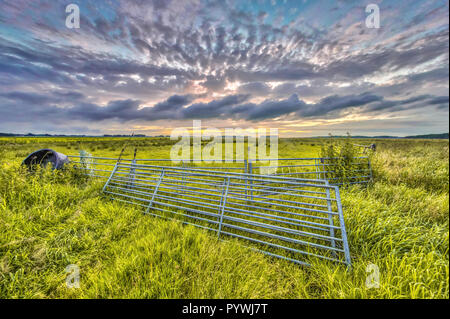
[
  {"x": 294, "y": 219},
  {"x": 102, "y": 166},
  {"x": 357, "y": 170}
]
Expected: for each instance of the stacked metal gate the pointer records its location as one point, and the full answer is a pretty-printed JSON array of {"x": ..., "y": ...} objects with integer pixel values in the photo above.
[
  {"x": 295, "y": 219},
  {"x": 359, "y": 170}
]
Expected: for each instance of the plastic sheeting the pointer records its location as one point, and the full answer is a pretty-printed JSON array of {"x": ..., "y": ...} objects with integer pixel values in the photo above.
[{"x": 45, "y": 156}]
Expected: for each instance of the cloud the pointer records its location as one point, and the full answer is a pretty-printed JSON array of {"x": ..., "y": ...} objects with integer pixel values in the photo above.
[
  {"x": 179, "y": 107},
  {"x": 216, "y": 108},
  {"x": 54, "y": 97},
  {"x": 439, "y": 100},
  {"x": 152, "y": 60},
  {"x": 338, "y": 103},
  {"x": 268, "y": 109},
  {"x": 255, "y": 88}
]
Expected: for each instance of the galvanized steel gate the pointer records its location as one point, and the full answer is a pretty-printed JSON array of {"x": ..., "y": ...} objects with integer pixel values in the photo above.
[
  {"x": 295, "y": 219},
  {"x": 359, "y": 172}
]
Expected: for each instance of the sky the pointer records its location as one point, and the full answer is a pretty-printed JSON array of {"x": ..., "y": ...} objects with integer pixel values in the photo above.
[{"x": 307, "y": 68}]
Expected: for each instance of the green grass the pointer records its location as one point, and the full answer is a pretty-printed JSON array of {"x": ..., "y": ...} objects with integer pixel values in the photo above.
[{"x": 50, "y": 220}]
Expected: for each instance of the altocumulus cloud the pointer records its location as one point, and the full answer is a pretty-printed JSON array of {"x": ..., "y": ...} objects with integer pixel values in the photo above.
[
  {"x": 179, "y": 107},
  {"x": 145, "y": 61}
]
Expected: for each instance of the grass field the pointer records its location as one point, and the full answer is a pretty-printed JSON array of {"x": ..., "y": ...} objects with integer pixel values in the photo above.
[{"x": 47, "y": 221}]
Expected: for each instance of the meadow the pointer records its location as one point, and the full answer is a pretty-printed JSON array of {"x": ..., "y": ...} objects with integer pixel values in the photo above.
[{"x": 400, "y": 223}]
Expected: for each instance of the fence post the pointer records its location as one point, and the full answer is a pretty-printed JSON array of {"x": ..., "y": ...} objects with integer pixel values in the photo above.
[
  {"x": 82, "y": 160},
  {"x": 342, "y": 226},
  {"x": 223, "y": 203},
  {"x": 330, "y": 215},
  {"x": 370, "y": 169},
  {"x": 154, "y": 192}
]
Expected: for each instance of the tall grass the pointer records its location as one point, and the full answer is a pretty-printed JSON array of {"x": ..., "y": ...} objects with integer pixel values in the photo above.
[
  {"x": 340, "y": 159},
  {"x": 49, "y": 220}
]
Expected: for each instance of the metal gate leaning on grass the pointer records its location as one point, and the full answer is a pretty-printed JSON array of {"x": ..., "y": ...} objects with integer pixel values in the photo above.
[{"x": 299, "y": 220}]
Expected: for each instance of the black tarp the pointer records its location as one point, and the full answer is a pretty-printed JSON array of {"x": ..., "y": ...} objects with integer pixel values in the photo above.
[{"x": 44, "y": 156}]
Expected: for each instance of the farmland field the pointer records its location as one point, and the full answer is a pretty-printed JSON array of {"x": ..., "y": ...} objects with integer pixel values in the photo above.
[{"x": 400, "y": 223}]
